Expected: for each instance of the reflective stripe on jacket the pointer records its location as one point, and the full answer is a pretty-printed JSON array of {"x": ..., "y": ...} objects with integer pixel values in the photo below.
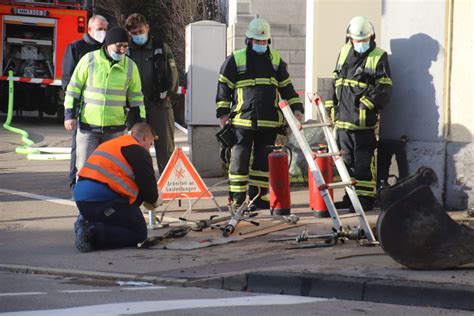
[
  {"x": 108, "y": 165},
  {"x": 105, "y": 88},
  {"x": 249, "y": 86},
  {"x": 361, "y": 87}
]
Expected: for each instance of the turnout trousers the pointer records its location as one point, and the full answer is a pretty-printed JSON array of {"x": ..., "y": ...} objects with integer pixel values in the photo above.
[
  {"x": 357, "y": 148},
  {"x": 254, "y": 178},
  {"x": 117, "y": 223}
]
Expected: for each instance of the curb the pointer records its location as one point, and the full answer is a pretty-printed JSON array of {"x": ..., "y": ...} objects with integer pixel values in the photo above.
[
  {"x": 91, "y": 274},
  {"x": 376, "y": 290}
]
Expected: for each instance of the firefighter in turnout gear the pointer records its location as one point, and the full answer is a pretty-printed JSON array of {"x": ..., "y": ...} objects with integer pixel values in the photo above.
[
  {"x": 361, "y": 88},
  {"x": 249, "y": 85}
]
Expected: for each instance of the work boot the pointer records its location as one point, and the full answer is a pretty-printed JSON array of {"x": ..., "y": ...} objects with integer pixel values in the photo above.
[
  {"x": 84, "y": 235},
  {"x": 261, "y": 203},
  {"x": 366, "y": 202},
  {"x": 344, "y": 204}
]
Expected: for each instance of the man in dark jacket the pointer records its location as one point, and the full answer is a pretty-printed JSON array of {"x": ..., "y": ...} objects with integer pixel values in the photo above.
[
  {"x": 248, "y": 89},
  {"x": 361, "y": 88},
  {"x": 116, "y": 179},
  {"x": 92, "y": 40},
  {"x": 159, "y": 77}
]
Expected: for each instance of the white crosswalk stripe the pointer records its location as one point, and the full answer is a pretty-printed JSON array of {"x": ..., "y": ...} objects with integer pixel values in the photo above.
[{"x": 129, "y": 308}]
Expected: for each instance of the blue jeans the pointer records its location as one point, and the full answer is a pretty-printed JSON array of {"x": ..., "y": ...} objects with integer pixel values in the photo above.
[
  {"x": 87, "y": 142},
  {"x": 117, "y": 223}
]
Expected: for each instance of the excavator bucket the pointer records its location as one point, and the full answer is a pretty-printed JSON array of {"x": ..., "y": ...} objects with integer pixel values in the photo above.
[{"x": 416, "y": 231}]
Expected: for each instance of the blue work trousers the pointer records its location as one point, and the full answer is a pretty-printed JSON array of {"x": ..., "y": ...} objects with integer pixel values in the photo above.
[{"x": 117, "y": 223}]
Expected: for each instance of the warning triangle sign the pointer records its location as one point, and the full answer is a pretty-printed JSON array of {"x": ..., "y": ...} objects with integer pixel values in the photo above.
[{"x": 180, "y": 178}]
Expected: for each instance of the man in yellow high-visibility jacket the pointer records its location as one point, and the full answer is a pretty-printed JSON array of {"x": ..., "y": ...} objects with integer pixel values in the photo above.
[{"x": 108, "y": 82}]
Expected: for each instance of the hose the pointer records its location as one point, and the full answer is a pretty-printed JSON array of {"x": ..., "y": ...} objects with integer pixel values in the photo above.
[{"x": 55, "y": 153}]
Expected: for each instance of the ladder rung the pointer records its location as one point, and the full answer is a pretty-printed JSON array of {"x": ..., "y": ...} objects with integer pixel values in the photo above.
[
  {"x": 336, "y": 185},
  {"x": 349, "y": 215},
  {"x": 322, "y": 155},
  {"x": 311, "y": 125}
]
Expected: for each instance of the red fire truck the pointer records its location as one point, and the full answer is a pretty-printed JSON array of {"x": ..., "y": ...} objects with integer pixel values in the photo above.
[{"x": 34, "y": 36}]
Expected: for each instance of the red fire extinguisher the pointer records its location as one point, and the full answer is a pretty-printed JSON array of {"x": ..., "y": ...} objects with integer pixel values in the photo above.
[
  {"x": 316, "y": 201},
  {"x": 279, "y": 180}
]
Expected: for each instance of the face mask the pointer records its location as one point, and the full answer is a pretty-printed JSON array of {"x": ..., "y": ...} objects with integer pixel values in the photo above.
[
  {"x": 140, "y": 39},
  {"x": 99, "y": 36},
  {"x": 259, "y": 49},
  {"x": 116, "y": 56},
  {"x": 361, "y": 47}
]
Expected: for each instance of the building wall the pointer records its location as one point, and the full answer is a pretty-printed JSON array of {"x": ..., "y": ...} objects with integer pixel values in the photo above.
[
  {"x": 415, "y": 42},
  {"x": 287, "y": 29},
  {"x": 460, "y": 147},
  {"x": 327, "y": 24}
]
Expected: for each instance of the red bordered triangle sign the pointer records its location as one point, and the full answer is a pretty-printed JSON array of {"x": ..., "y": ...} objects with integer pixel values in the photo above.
[{"x": 180, "y": 178}]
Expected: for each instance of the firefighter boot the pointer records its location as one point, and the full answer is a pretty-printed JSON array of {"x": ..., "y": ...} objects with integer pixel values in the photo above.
[
  {"x": 262, "y": 202},
  {"x": 366, "y": 202},
  {"x": 344, "y": 204}
]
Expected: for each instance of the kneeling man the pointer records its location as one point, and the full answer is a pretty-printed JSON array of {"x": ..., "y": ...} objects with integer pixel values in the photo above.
[{"x": 116, "y": 179}]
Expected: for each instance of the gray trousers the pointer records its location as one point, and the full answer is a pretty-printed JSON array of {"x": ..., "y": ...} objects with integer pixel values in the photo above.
[{"x": 87, "y": 142}]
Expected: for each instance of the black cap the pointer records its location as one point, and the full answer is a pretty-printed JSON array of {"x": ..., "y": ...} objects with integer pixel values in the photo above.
[{"x": 115, "y": 35}]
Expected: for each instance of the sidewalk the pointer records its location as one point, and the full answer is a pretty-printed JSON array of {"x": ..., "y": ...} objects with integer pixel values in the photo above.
[{"x": 36, "y": 237}]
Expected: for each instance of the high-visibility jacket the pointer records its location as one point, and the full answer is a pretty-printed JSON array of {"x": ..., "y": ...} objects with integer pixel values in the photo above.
[
  {"x": 107, "y": 165},
  {"x": 248, "y": 89},
  {"x": 361, "y": 87},
  {"x": 105, "y": 89}
]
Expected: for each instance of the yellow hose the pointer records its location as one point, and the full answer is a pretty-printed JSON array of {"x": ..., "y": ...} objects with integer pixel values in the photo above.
[{"x": 31, "y": 152}]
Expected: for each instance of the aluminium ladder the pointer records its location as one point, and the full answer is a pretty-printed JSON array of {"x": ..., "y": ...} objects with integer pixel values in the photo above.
[{"x": 333, "y": 151}]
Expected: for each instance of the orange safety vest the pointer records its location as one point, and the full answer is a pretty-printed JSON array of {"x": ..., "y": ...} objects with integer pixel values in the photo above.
[{"x": 107, "y": 165}]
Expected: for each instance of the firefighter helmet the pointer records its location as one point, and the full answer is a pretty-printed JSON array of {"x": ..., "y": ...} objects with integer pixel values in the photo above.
[
  {"x": 360, "y": 28},
  {"x": 259, "y": 29}
]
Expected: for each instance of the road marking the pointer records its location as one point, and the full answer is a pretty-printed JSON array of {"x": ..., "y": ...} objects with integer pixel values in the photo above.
[
  {"x": 22, "y": 293},
  {"x": 83, "y": 291},
  {"x": 144, "y": 288},
  {"x": 39, "y": 197},
  {"x": 168, "y": 305}
]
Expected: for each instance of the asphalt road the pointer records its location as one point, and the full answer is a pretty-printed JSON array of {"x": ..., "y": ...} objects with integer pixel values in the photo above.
[{"x": 28, "y": 294}]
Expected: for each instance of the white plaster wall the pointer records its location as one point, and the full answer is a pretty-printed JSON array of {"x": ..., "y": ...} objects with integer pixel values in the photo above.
[
  {"x": 462, "y": 72},
  {"x": 414, "y": 37},
  {"x": 326, "y": 25}
]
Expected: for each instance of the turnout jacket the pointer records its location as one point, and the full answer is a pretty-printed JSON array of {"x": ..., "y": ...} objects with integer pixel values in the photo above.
[
  {"x": 361, "y": 86},
  {"x": 106, "y": 88},
  {"x": 72, "y": 55},
  {"x": 248, "y": 89},
  {"x": 125, "y": 167},
  {"x": 157, "y": 67}
]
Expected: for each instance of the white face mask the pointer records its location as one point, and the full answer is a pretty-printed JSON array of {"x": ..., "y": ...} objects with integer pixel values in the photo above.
[{"x": 99, "y": 36}]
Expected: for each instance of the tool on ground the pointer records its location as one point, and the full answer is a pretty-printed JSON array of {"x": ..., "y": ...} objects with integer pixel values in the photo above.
[
  {"x": 174, "y": 232},
  {"x": 242, "y": 213},
  {"x": 279, "y": 180},
  {"x": 291, "y": 219},
  {"x": 332, "y": 238},
  {"x": 318, "y": 178},
  {"x": 202, "y": 224},
  {"x": 416, "y": 231}
]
